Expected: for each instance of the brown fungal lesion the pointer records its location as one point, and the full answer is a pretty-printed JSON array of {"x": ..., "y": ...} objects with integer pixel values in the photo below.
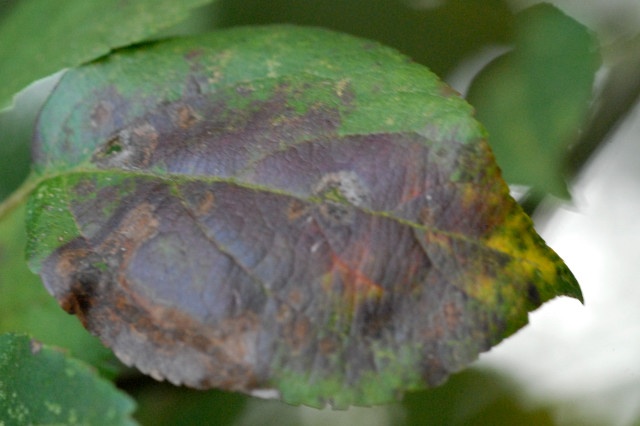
[
  {"x": 130, "y": 147},
  {"x": 339, "y": 193},
  {"x": 336, "y": 213},
  {"x": 185, "y": 117},
  {"x": 206, "y": 203},
  {"x": 113, "y": 146},
  {"x": 81, "y": 296},
  {"x": 101, "y": 114},
  {"x": 296, "y": 209},
  {"x": 81, "y": 280},
  {"x": 343, "y": 186},
  {"x": 114, "y": 151}
]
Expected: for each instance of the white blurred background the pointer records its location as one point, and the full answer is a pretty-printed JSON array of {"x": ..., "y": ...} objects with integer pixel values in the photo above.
[{"x": 589, "y": 356}]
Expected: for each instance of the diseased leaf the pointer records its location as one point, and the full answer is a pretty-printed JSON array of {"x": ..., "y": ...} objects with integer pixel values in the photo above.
[
  {"x": 40, "y": 385},
  {"x": 535, "y": 99},
  {"x": 281, "y": 209}
]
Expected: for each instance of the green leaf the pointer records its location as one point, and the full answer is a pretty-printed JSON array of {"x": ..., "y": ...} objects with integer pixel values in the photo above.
[
  {"x": 40, "y": 385},
  {"x": 281, "y": 210},
  {"x": 534, "y": 99},
  {"x": 25, "y": 305},
  {"x": 40, "y": 37}
]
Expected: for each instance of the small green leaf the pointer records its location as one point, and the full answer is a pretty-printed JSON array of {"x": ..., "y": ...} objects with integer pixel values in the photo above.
[
  {"x": 534, "y": 99},
  {"x": 281, "y": 210},
  {"x": 40, "y": 37},
  {"x": 40, "y": 385}
]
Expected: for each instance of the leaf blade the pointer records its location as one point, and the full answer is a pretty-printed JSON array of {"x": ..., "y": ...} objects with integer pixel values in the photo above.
[{"x": 293, "y": 230}]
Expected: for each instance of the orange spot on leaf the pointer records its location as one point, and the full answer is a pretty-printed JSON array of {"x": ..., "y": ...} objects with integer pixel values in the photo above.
[{"x": 357, "y": 286}]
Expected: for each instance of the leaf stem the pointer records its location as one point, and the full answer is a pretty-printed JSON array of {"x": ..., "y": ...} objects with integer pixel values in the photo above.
[{"x": 18, "y": 196}]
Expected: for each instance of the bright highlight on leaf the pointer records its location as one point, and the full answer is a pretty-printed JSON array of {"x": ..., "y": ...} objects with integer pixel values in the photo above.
[{"x": 281, "y": 209}]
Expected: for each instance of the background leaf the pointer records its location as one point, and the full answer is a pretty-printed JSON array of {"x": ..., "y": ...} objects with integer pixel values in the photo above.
[
  {"x": 40, "y": 385},
  {"x": 437, "y": 34},
  {"x": 473, "y": 397},
  {"x": 534, "y": 100},
  {"x": 55, "y": 35},
  {"x": 163, "y": 404},
  {"x": 16, "y": 132},
  {"x": 281, "y": 207}
]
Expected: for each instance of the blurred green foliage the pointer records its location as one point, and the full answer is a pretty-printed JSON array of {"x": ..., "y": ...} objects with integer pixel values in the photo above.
[
  {"x": 438, "y": 37},
  {"x": 40, "y": 37},
  {"x": 40, "y": 385},
  {"x": 534, "y": 100},
  {"x": 473, "y": 397}
]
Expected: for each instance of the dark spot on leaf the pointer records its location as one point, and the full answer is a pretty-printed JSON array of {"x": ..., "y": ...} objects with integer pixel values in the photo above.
[
  {"x": 296, "y": 209},
  {"x": 185, "y": 117},
  {"x": 113, "y": 147},
  {"x": 533, "y": 295},
  {"x": 336, "y": 213},
  {"x": 82, "y": 294},
  {"x": 377, "y": 318}
]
